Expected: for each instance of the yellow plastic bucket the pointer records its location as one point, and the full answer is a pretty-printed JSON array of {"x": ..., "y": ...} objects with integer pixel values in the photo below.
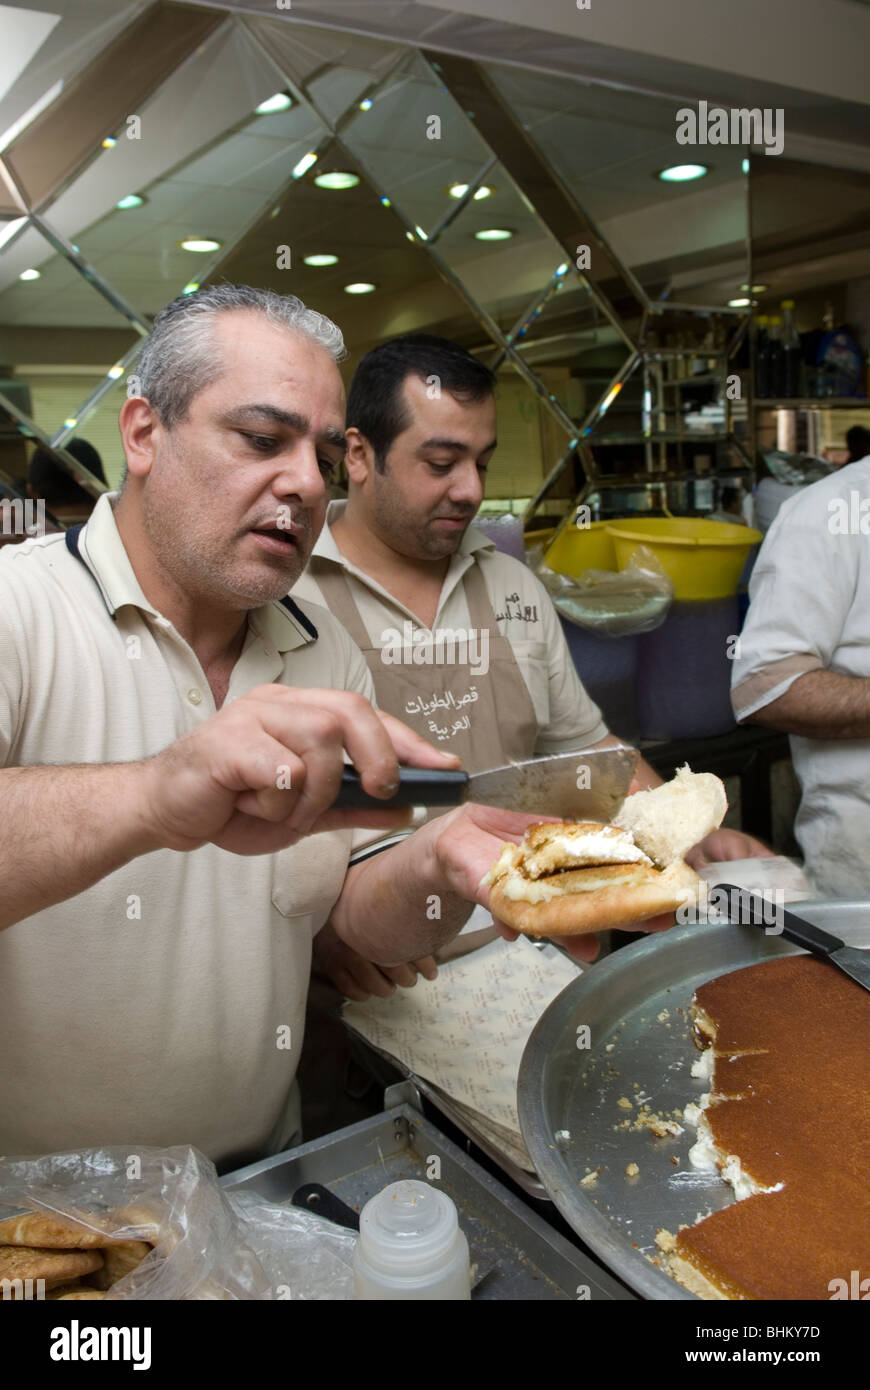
[
  {"x": 579, "y": 548},
  {"x": 540, "y": 537},
  {"x": 704, "y": 559}
]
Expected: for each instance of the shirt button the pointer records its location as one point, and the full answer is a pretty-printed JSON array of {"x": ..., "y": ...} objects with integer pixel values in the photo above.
[{"x": 195, "y": 696}]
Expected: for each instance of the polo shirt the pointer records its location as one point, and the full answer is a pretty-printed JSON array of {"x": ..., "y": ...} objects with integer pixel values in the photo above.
[
  {"x": 567, "y": 717},
  {"x": 164, "y": 1005}
]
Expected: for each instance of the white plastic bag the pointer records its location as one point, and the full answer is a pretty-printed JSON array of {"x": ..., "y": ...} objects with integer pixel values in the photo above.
[
  {"x": 208, "y": 1244},
  {"x": 613, "y": 603}
]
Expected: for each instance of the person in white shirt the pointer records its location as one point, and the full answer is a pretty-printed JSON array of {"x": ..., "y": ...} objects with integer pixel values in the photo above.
[{"x": 803, "y": 666}]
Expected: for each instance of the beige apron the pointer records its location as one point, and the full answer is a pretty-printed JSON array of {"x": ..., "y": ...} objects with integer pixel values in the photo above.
[
  {"x": 498, "y": 725},
  {"x": 488, "y": 719}
]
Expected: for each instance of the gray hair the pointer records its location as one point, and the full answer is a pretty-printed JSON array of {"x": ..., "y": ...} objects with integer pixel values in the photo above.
[{"x": 180, "y": 356}]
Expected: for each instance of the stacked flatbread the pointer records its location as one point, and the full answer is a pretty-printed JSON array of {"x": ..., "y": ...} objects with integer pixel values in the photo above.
[{"x": 73, "y": 1261}]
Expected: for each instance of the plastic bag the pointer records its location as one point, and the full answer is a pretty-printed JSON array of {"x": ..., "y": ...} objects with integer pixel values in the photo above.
[
  {"x": 636, "y": 599},
  {"x": 208, "y": 1244},
  {"x": 304, "y": 1256},
  {"x": 797, "y": 470}
]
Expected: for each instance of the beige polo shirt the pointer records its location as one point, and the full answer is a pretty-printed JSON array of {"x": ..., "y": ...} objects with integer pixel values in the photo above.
[
  {"x": 567, "y": 717},
  {"x": 164, "y": 1005}
]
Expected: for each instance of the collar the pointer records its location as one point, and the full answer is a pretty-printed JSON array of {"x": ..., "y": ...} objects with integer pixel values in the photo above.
[
  {"x": 326, "y": 549},
  {"x": 472, "y": 545},
  {"x": 101, "y": 550}
]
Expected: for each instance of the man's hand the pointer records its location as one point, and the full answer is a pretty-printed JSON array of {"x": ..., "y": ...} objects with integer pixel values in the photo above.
[
  {"x": 358, "y": 978},
  {"x": 726, "y": 844},
  {"x": 264, "y": 771}
]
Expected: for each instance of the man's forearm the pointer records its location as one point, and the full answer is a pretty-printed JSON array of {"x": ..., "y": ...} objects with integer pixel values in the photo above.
[
  {"x": 397, "y": 906},
  {"x": 820, "y": 704},
  {"x": 64, "y": 828}
]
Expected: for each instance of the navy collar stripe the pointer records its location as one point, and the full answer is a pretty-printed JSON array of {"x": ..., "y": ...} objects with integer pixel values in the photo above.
[{"x": 71, "y": 536}]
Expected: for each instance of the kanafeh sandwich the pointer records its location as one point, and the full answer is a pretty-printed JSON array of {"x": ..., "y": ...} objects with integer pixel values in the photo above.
[{"x": 570, "y": 877}]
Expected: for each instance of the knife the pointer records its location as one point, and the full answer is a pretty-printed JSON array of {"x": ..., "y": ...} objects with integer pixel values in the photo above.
[
  {"x": 587, "y": 785},
  {"x": 755, "y": 911}
]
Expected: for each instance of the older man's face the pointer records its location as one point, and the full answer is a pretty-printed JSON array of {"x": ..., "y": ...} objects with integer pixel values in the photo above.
[{"x": 236, "y": 494}]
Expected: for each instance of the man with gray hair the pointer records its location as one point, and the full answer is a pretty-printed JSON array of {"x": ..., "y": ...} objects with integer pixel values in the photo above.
[{"x": 172, "y": 735}]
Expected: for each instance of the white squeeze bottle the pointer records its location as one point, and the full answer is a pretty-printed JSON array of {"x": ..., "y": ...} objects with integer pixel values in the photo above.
[{"x": 410, "y": 1246}]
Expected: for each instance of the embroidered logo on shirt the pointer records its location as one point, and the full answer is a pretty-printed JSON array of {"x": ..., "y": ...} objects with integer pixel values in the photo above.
[{"x": 520, "y": 613}]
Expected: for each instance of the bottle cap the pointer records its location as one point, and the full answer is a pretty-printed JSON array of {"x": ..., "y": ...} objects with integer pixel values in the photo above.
[{"x": 409, "y": 1225}]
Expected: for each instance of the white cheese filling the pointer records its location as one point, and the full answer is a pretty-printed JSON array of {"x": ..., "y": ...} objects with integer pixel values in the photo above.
[{"x": 706, "y": 1156}]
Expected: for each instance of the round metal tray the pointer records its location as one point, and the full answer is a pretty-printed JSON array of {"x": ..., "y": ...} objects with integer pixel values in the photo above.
[{"x": 635, "y": 1007}]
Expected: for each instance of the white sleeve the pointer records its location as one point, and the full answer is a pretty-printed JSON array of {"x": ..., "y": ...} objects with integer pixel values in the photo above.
[
  {"x": 801, "y": 590},
  {"x": 12, "y": 676}
]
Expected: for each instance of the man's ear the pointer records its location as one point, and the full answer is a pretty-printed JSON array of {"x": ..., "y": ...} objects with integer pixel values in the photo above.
[
  {"x": 137, "y": 422},
  {"x": 360, "y": 457}
]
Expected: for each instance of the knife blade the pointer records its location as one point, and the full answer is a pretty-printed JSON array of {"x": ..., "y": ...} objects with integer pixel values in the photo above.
[
  {"x": 755, "y": 911},
  {"x": 589, "y": 785}
]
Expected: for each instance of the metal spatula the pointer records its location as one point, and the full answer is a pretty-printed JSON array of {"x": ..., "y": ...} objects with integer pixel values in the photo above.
[
  {"x": 749, "y": 909},
  {"x": 590, "y": 785}
]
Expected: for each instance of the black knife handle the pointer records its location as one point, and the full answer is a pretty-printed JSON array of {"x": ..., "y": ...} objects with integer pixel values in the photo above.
[
  {"x": 754, "y": 910},
  {"x": 313, "y": 1196},
  {"x": 418, "y": 786}
]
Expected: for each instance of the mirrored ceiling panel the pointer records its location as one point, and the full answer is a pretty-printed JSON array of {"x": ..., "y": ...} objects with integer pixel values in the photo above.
[
  {"x": 346, "y": 254},
  {"x": 45, "y": 47},
  {"x": 683, "y": 239},
  {"x": 167, "y": 221}
]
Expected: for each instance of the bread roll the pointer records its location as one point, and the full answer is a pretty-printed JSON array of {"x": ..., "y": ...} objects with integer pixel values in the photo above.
[{"x": 568, "y": 878}]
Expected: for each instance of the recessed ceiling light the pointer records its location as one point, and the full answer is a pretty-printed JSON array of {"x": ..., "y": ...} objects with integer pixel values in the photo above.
[
  {"x": 304, "y": 165},
  {"x": 30, "y": 274},
  {"x": 337, "y": 178},
  {"x": 360, "y": 287},
  {"x": 279, "y": 102},
  {"x": 753, "y": 289},
  {"x": 200, "y": 244},
  {"x": 494, "y": 234},
  {"x": 740, "y": 303},
  {"x": 321, "y": 260},
  {"x": 132, "y": 200},
  {"x": 745, "y": 166},
  {"x": 459, "y": 190},
  {"x": 682, "y": 173}
]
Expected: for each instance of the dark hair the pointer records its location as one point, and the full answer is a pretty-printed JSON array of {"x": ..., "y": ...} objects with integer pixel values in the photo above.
[
  {"x": 50, "y": 480},
  {"x": 374, "y": 403},
  {"x": 858, "y": 443}
]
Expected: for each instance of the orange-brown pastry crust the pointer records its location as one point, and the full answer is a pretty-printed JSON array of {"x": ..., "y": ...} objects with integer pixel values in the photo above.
[{"x": 795, "y": 1109}]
